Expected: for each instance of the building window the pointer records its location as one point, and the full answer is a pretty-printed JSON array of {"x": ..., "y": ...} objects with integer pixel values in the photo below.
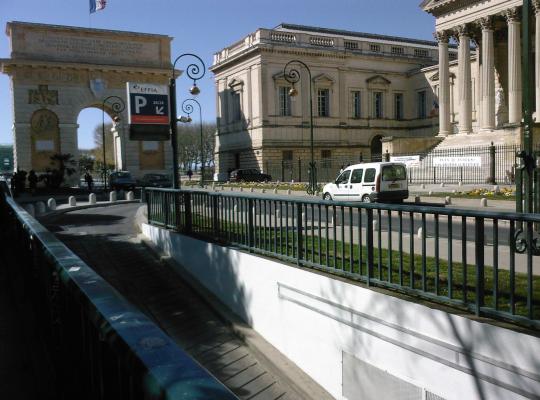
[
  {"x": 376, "y": 48},
  {"x": 378, "y": 105},
  {"x": 399, "y": 51},
  {"x": 326, "y": 155},
  {"x": 287, "y": 156},
  {"x": 323, "y": 102},
  {"x": 423, "y": 53},
  {"x": 356, "y": 108},
  {"x": 421, "y": 104},
  {"x": 236, "y": 108},
  {"x": 452, "y": 56},
  {"x": 284, "y": 101},
  {"x": 398, "y": 106}
]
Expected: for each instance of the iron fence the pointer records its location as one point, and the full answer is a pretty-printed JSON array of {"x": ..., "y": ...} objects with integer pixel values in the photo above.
[
  {"x": 100, "y": 346},
  {"x": 494, "y": 164},
  {"x": 486, "y": 262}
]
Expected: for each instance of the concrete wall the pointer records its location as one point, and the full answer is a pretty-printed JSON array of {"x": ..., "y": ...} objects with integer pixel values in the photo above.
[{"x": 323, "y": 324}]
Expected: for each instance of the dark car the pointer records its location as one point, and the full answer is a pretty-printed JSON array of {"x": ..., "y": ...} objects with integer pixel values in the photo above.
[
  {"x": 155, "y": 180},
  {"x": 122, "y": 180},
  {"x": 249, "y": 175}
]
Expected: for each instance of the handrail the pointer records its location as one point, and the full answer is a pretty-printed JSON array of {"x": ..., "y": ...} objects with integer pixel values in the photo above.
[{"x": 137, "y": 349}]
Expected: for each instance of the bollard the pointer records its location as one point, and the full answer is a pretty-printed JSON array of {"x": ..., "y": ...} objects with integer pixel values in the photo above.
[
  {"x": 430, "y": 193},
  {"x": 130, "y": 196},
  {"x": 288, "y": 191},
  {"x": 30, "y": 209},
  {"x": 213, "y": 186},
  {"x": 251, "y": 189},
  {"x": 275, "y": 190},
  {"x": 92, "y": 198},
  {"x": 72, "y": 201},
  {"x": 448, "y": 200},
  {"x": 442, "y": 184},
  {"x": 423, "y": 186},
  {"x": 113, "y": 196},
  {"x": 263, "y": 190},
  {"x": 232, "y": 189},
  {"x": 483, "y": 202},
  {"x": 419, "y": 234},
  {"x": 40, "y": 208},
  {"x": 51, "y": 203},
  {"x": 417, "y": 199},
  {"x": 460, "y": 183}
]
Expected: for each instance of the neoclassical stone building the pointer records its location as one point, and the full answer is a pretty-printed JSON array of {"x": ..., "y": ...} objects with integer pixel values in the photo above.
[
  {"x": 366, "y": 88},
  {"x": 488, "y": 108}
]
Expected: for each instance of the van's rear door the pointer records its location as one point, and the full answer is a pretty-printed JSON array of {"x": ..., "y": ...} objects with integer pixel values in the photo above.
[{"x": 393, "y": 177}]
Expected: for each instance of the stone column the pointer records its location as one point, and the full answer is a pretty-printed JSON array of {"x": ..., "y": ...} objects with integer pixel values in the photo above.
[
  {"x": 536, "y": 4},
  {"x": 488, "y": 74},
  {"x": 514, "y": 66},
  {"x": 464, "y": 80},
  {"x": 444, "y": 84}
]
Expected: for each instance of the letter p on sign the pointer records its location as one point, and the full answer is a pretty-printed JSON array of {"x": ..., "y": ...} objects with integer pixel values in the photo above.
[{"x": 140, "y": 102}]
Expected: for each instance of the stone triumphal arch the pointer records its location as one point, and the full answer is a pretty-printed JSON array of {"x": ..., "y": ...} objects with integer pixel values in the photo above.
[{"x": 57, "y": 71}]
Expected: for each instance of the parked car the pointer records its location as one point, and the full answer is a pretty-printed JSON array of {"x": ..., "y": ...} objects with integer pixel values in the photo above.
[
  {"x": 370, "y": 182},
  {"x": 249, "y": 175},
  {"x": 121, "y": 180},
  {"x": 155, "y": 180}
]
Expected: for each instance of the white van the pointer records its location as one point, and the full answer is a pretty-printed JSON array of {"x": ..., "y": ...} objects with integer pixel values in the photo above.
[{"x": 370, "y": 182}]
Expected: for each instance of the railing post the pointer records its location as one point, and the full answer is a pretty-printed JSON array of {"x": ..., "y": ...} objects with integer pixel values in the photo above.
[
  {"x": 215, "y": 216},
  {"x": 299, "y": 234},
  {"x": 166, "y": 209},
  {"x": 491, "y": 178},
  {"x": 282, "y": 170},
  {"x": 479, "y": 259},
  {"x": 177, "y": 214},
  {"x": 434, "y": 176},
  {"x": 250, "y": 225},
  {"x": 369, "y": 244},
  {"x": 299, "y": 169},
  {"x": 187, "y": 212}
]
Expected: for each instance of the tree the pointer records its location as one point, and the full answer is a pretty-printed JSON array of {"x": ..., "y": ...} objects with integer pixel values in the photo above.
[
  {"x": 189, "y": 145},
  {"x": 97, "y": 152}
]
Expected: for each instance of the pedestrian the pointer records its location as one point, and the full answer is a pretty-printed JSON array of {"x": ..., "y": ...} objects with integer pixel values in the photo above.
[
  {"x": 89, "y": 180},
  {"x": 189, "y": 173},
  {"x": 13, "y": 183},
  {"x": 32, "y": 181}
]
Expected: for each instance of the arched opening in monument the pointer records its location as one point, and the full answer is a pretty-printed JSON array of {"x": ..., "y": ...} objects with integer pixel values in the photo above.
[
  {"x": 376, "y": 148},
  {"x": 93, "y": 125}
]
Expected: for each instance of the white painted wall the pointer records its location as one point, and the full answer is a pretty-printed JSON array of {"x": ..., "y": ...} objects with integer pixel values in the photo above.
[{"x": 313, "y": 319}]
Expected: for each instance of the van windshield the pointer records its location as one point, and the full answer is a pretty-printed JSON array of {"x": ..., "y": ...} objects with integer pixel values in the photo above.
[{"x": 394, "y": 173}]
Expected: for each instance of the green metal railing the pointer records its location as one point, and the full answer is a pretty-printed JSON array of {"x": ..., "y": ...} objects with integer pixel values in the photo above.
[
  {"x": 477, "y": 260},
  {"x": 101, "y": 347}
]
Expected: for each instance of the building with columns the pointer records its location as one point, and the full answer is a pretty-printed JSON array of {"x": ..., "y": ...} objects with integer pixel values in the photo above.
[
  {"x": 488, "y": 34},
  {"x": 365, "y": 88}
]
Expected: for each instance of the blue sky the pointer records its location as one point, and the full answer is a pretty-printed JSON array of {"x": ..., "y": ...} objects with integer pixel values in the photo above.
[{"x": 204, "y": 27}]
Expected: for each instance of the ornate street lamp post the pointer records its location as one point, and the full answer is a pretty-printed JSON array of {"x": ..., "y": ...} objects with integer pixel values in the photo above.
[
  {"x": 187, "y": 107},
  {"x": 292, "y": 76},
  {"x": 117, "y": 105},
  {"x": 194, "y": 71}
]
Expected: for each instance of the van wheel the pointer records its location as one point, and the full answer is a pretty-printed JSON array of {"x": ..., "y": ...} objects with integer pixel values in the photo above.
[
  {"x": 327, "y": 196},
  {"x": 366, "y": 198}
]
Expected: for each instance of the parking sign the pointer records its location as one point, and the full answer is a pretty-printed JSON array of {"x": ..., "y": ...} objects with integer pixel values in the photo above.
[{"x": 148, "y": 111}]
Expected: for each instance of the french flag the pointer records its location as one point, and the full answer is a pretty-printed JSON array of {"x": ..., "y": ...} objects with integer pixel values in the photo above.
[{"x": 96, "y": 5}]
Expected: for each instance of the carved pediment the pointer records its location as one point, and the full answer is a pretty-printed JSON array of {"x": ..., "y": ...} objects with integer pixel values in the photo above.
[
  {"x": 435, "y": 76},
  {"x": 236, "y": 84},
  {"x": 323, "y": 79},
  {"x": 378, "y": 80}
]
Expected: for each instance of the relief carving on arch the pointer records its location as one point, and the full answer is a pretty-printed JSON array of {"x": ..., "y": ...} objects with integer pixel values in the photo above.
[{"x": 45, "y": 138}]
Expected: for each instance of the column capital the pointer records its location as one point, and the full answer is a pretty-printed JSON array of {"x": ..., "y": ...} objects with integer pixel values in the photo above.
[
  {"x": 512, "y": 15},
  {"x": 536, "y": 6},
  {"x": 486, "y": 23},
  {"x": 443, "y": 36},
  {"x": 462, "y": 31}
]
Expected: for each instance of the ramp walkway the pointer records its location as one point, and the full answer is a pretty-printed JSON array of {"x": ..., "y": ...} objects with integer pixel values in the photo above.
[{"x": 107, "y": 240}]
